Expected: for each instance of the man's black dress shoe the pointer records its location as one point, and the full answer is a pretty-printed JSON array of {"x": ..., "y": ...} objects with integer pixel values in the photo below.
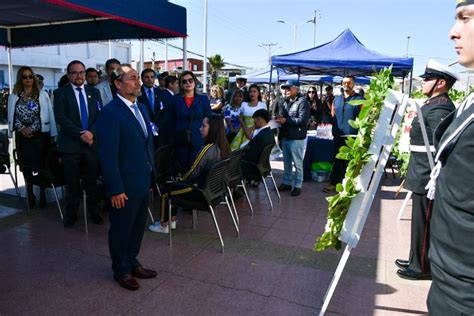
[
  {"x": 284, "y": 187},
  {"x": 409, "y": 274},
  {"x": 402, "y": 264},
  {"x": 143, "y": 273},
  {"x": 68, "y": 223},
  {"x": 127, "y": 281},
  {"x": 296, "y": 192},
  {"x": 97, "y": 219}
]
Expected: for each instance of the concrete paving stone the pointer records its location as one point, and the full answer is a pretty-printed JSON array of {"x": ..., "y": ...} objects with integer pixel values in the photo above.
[
  {"x": 284, "y": 237},
  {"x": 294, "y": 225}
]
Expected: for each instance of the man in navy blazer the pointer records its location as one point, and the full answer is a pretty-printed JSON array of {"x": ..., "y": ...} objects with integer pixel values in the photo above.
[
  {"x": 126, "y": 158},
  {"x": 151, "y": 97},
  {"x": 263, "y": 136},
  {"x": 76, "y": 109}
]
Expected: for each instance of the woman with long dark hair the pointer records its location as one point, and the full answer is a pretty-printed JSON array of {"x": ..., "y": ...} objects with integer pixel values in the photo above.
[
  {"x": 318, "y": 113},
  {"x": 188, "y": 110},
  {"x": 31, "y": 118},
  {"x": 215, "y": 148}
]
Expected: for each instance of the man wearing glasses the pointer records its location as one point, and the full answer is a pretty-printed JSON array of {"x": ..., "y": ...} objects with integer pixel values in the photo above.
[
  {"x": 76, "y": 107},
  {"x": 437, "y": 80}
]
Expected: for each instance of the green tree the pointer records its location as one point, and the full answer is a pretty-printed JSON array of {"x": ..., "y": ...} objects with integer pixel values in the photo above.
[{"x": 216, "y": 63}]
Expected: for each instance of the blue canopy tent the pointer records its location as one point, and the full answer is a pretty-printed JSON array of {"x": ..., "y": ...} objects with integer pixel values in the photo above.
[
  {"x": 26, "y": 23},
  {"x": 344, "y": 55}
]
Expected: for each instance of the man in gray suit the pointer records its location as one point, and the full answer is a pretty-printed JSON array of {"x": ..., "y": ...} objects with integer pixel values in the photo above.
[
  {"x": 106, "y": 89},
  {"x": 76, "y": 107}
]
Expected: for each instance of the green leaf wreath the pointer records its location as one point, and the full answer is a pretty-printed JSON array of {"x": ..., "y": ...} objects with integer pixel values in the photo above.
[{"x": 356, "y": 152}]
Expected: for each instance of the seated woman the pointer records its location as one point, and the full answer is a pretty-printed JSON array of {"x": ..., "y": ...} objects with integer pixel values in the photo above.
[{"x": 215, "y": 148}]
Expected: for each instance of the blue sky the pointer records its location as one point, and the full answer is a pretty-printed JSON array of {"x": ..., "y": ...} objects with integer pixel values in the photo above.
[{"x": 237, "y": 27}]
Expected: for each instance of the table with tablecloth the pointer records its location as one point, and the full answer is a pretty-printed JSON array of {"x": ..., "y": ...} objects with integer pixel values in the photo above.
[{"x": 317, "y": 150}]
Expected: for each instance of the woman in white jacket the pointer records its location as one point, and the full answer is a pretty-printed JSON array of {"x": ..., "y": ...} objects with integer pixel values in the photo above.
[{"x": 31, "y": 118}]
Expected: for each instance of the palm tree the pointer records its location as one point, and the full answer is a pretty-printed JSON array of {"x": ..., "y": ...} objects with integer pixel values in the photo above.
[{"x": 216, "y": 63}]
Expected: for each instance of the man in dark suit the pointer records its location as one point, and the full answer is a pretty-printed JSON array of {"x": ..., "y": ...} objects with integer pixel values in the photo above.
[
  {"x": 126, "y": 158},
  {"x": 262, "y": 136},
  {"x": 437, "y": 80},
  {"x": 76, "y": 108},
  {"x": 165, "y": 125},
  {"x": 151, "y": 97},
  {"x": 452, "y": 225}
]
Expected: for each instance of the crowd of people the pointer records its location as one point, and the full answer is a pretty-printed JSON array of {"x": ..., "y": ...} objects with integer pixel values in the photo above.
[{"x": 111, "y": 129}]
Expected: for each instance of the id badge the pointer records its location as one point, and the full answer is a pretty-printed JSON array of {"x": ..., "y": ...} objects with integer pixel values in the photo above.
[
  {"x": 154, "y": 129},
  {"x": 32, "y": 105}
]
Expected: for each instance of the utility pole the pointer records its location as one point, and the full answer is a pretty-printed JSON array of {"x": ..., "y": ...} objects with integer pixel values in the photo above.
[
  {"x": 317, "y": 15},
  {"x": 268, "y": 47},
  {"x": 204, "y": 75}
]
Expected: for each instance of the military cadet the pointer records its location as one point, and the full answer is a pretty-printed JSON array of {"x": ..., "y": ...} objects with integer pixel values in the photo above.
[
  {"x": 437, "y": 80},
  {"x": 452, "y": 187}
]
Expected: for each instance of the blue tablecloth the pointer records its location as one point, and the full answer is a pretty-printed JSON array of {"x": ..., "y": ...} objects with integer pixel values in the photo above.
[{"x": 317, "y": 149}]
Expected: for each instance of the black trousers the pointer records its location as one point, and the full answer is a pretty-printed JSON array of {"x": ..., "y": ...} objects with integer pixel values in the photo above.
[
  {"x": 80, "y": 171},
  {"x": 420, "y": 234},
  {"x": 127, "y": 226},
  {"x": 339, "y": 167}
]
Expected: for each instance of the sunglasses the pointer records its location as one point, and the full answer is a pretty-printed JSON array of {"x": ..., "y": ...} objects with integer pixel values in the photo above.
[
  {"x": 311, "y": 91},
  {"x": 185, "y": 81},
  {"x": 25, "y": 77}
]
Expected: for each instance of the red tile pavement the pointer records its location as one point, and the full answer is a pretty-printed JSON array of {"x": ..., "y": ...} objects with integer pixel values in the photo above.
[{"x": 270, "y": 270}]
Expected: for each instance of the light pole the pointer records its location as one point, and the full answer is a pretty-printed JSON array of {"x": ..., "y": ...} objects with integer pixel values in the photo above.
[
  {"x": 408, "y": 43},
  {"x": 295, "y": 30},
  {"x": 317, "y": 15}
]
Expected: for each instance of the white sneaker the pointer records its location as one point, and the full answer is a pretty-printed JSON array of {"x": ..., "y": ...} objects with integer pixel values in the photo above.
[
  {"x": 157, "y": 228},
  {"x": 173, "y": 224}
]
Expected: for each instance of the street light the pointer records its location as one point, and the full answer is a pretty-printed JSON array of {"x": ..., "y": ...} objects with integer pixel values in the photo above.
[
  {"x": 295, "y": 28},
  {"x": 408, "y": 44},
  {"x": 317, "y": 15}
]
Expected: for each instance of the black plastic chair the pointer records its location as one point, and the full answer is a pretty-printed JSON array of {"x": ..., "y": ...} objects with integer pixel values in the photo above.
[
  {"x": 5, "y": 160},
  {"x": 235, "y": 180},
  {"x": 208, "y": 197},
  {"x": 261, "y": 170},
  {"x": 49, "y": 177},
  {"x": 165, "y": 166}
]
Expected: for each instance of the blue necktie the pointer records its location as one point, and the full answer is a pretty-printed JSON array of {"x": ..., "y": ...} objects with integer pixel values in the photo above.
[
  {"x": 152, "y": 100},
  {"x": 83, "y": 107},
  {"x": 140, "y": 119}
]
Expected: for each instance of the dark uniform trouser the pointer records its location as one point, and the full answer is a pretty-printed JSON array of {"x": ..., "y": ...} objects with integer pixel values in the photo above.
[
  {"x": 339, "y": 167},
  {"x": 438, "y": 304},
  {"x": 80, "y": 167},
  {"x": 420, "y": 234}
]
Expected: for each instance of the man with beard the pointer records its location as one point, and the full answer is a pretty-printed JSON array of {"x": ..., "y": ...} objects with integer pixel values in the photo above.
[
  {"x": 452, "y": 225},
  {"x": 343, "y": 113},
  {"x": 126, "y": 158}
]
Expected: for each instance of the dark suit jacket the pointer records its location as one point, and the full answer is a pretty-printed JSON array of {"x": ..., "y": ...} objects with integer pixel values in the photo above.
[
  {"x": 68, "y": 118},
  {"x": 165, "y": 124},
  {"x": 254, "y": 148},
  {"x": 155, "y": 113},
  {"x": 434, "y": 111},
  {"x": 125, "y": 154},
  {"x": 452, "y": 222}
]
